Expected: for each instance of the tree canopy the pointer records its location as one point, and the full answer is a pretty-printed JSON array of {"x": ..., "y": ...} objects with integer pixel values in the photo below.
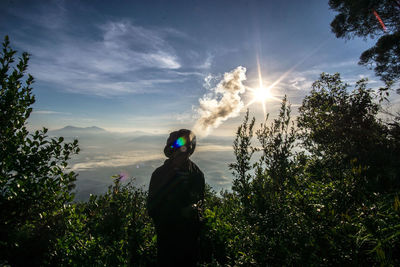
[{"x": 360, "y": 18}]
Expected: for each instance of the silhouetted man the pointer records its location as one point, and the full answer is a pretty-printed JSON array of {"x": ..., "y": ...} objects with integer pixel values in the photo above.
[{"x": 176, "y": 189}]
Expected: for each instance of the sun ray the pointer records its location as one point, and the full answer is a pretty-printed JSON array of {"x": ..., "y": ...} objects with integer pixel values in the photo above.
[
  {"x": 264, "y": 108},
  {"x": 262, "y": 94},
  {"x": 283, "y": 76},
  {"x": 259, "y": 73},
  {"x": 261, "y": 85},
  {"x": 251, "y": 102}
]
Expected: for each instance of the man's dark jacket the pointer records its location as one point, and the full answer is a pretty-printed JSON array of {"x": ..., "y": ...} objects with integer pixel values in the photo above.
[
  {"x": 172, "y": 189},
  {"x": 172, "y": 192}
]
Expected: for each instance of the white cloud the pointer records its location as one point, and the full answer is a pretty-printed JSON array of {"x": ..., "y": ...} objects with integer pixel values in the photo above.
[
  {"x": 210, "y": 81},
  {"x": 50, "y": 16},
  {"x": 339, "y": 65},
  {"x": 301, "y": 83},
  {"x": 108, "y": 66},
  {"x": 185, "y": 117},
  {"x": 106, "y": 58},
  {"x": 222, "y": 103},
  {"x": 49, "y": 112},
  {"x": 188, "y": 73},
  {"x": 139, "y": 45},
  {"x": 211, "y": 147},
  {"x": 207, "y": 63}
]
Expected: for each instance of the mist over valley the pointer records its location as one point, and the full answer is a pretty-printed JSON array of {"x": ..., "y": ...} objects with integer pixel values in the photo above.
[{"x": 137, "y": 154}]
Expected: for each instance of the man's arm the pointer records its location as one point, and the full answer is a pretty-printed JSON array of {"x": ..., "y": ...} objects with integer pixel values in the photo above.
[
  {"x": 151, "y": 199},
  {"x": 201, "y": 188},
  {"x": 159, "y": 204}
]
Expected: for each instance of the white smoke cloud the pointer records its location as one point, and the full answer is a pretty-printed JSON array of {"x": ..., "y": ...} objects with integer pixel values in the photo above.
[{"x": 222, "y": 103}]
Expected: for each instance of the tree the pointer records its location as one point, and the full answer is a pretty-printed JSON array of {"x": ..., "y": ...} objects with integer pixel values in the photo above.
[
  {"x": 334, "y": 202},
  {"x": 243, "y": 152},
  {"x": 359, "y": 18},
  {"x": 341, "y": 128},
  {"x": 353, "y": 164},
  {"x": 35, "y": 183},
  {"x": 277, "y": 142}
]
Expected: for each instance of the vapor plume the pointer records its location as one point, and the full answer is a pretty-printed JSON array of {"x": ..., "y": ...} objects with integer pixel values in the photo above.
[{"x": 222, "y": 103}]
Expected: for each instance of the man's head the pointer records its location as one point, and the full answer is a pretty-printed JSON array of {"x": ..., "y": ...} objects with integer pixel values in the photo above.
[{"x": 182, "y": 143}]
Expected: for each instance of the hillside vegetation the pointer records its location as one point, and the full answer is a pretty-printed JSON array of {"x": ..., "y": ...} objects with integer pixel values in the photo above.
[{"x": 334, "y": 200}]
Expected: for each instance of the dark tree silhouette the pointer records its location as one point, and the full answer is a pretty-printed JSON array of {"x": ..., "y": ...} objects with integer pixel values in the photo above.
[{"x": 357, "y": 18}]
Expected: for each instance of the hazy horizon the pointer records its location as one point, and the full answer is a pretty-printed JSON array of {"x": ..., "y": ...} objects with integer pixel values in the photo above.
[{"x": 104, "y": 154}]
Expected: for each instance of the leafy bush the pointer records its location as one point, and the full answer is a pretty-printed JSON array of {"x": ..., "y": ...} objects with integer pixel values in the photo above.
[
  {"x": 35, "y": 183},
  {"x": 109, "y": 230}
]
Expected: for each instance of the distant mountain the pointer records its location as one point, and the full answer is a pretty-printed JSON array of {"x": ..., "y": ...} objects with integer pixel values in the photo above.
[
  {"x": 77, "y": 131},
  {"x": 149, "y": 138},
  {"x": 87, "y": 129},
  {"x": 134, "y": 133},
  {"x": 97, "y": 132}
]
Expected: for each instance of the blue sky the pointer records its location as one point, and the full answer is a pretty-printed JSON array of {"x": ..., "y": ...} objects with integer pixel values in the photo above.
[{"x": 142, "y": 65}]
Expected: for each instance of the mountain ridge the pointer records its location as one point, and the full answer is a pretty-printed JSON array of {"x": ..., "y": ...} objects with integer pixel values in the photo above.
[{"x": 76, "y": 128}]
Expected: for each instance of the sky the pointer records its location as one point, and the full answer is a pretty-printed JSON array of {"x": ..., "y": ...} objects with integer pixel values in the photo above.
[{"x": 144, "y": 65}]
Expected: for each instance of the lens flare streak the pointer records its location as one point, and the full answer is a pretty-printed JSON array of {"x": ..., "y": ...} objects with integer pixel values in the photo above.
[{"x": 380, "y": 20}]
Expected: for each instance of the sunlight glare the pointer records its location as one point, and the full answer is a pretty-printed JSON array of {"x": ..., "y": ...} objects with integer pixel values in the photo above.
[{"x": 261, "y": 94}]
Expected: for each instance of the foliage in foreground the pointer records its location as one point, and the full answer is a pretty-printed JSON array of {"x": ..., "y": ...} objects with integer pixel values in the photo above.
[
  {"x": 109, "y": 230},
  {"x": 333, "y": 202},
  {"x": 34, "y": 182}
]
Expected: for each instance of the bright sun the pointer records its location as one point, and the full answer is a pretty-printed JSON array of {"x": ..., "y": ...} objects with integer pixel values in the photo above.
[{"x": 261, "y": 94}]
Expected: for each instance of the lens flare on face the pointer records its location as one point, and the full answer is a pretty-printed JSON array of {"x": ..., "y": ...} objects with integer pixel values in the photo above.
[{"x": 181, "y": 141}]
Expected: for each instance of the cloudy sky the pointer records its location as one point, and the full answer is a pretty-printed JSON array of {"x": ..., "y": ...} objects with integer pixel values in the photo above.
[{"x": 144, "y": 65}]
